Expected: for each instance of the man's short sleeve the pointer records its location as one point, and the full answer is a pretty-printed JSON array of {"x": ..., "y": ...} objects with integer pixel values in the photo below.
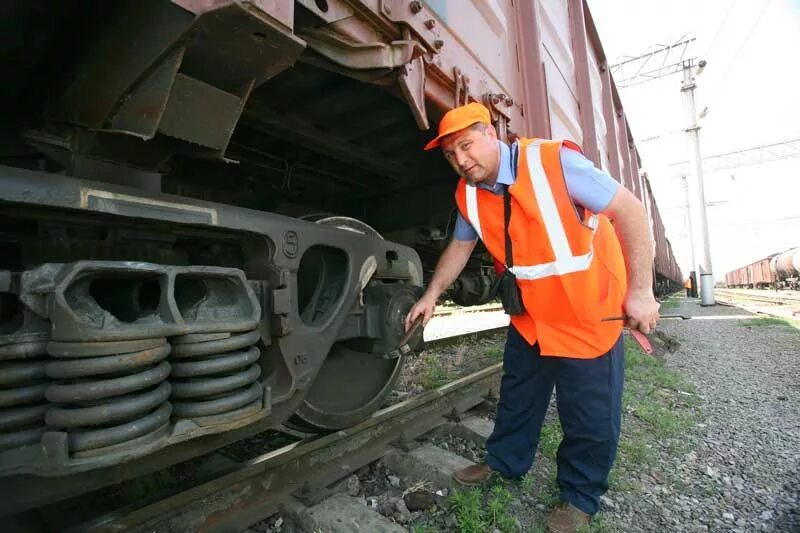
[
  {"x": 464, "y": 230},
  {"x": 587, "y": 185}
]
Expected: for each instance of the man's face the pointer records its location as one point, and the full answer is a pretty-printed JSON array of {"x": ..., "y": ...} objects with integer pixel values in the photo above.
[{"x": 473, "y": 154}]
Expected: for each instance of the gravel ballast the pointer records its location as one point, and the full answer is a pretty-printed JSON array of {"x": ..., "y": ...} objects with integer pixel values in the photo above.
[{"x": 742, "y": 470}]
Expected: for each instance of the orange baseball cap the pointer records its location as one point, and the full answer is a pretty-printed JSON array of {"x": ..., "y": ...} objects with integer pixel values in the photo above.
[{"x": 459, "y": 118}]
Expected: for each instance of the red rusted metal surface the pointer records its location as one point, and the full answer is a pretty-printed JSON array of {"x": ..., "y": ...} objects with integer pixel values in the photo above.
[{"x": 580, "y": 53}]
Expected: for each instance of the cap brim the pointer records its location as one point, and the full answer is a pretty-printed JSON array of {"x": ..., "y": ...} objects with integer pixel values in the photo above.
[
  {"x": 434, "y": 143},
  {"x": 438, "y": 140}
]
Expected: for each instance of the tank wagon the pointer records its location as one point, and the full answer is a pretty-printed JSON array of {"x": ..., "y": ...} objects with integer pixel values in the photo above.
[
  {"x": 216, "y": 213},
  {"x": 776, "y": 271}
]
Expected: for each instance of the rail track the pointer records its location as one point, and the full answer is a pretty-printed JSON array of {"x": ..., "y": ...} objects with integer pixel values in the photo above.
[
  {"x": 450, "y": 311},
  {"x": 234, "y": 496},
  {"x": 762, "y": 297}
]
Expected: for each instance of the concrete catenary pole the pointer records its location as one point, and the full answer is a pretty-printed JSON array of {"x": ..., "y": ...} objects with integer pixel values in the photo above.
[
  {"x": 699, "y": 205},
  {"x": 692, "y": 273}
]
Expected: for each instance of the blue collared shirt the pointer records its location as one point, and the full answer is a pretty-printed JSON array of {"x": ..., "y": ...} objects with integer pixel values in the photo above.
[{"x": 587, "y": 185}]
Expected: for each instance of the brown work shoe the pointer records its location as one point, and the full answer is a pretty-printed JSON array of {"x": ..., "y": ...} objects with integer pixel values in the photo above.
[
  {"x": 473, "y": 474},
  {"x": 566, "y": 518}
]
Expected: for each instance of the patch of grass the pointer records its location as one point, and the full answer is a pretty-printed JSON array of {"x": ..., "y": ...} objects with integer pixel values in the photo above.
[
  {"x": 467, "y": 506},
  {"x": 484, "y": 509},
  {"x": 598, "y": 525},
  {"x": 527, "y": 482},
  {"x": 664, "y": 421},
  {"x": 498, "y": 509},
  {"x": 668, "y": 304},
  {"x": 551, "y": 493},
  {"x": 634, "y": 453},
  {"x": 550, "y": 438},
  {"x": 495, "y": 353},
  {"x": 423, "y": 528},
  {"x": 766, "y": 321},
  {"x": 435, "y": 374}
]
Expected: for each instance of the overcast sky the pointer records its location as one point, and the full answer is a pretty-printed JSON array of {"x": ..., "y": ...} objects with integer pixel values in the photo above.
[{"x": 751, "y": 87}]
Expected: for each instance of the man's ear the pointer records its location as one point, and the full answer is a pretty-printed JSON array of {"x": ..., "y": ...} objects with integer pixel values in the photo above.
[{"x": 491, "y": 132}]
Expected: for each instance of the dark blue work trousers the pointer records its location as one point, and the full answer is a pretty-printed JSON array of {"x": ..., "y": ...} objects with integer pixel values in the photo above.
[{"x": 589, "y": 400}]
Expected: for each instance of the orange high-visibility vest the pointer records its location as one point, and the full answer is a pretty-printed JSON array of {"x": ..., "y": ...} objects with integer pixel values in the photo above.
[{"x": 571, "y": 272}]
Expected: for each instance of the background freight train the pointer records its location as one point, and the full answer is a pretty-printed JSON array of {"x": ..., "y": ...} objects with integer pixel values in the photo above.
[
  {"x": 216, "y": 214},
  {"x": 777, "y": 271}
]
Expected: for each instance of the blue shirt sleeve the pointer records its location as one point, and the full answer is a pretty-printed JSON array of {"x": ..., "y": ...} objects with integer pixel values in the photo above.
[
  {"x": 464, "y": 230},
  {"x": 587, "y": 185}
]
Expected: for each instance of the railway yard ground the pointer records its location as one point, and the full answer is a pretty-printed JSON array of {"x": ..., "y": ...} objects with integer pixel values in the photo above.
[
  {"x": 710, "y": 442},
  {"x": 711, "y": 439}
]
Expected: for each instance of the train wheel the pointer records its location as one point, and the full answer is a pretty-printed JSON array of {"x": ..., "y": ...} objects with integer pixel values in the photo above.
[{"x": 355, "y": 379}]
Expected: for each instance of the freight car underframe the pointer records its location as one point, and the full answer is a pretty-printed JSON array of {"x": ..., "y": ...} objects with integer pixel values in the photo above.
[
  {"x": 152, "y": 297},
  {"x": 317, "y": 302},
  {"x": 284, "y": 107}
]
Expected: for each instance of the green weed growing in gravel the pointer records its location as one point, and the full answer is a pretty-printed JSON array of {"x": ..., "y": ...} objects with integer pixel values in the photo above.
[
  {"x": 658, "y": 407},
  {"x": 527, "y": 482},
  {"x": 435, "y": 374},
  {"x": 550, "y": 438},
  {"x": 634, "y": 452},
  {"x": 766, "y": 321},
  {"x": 495, "y": 353},
  {"x": 668, "y": 304},
  {"x": 552, "y": 494},
  {"x": 498, "y": 511},
  {"x": 423, "y": 529},
  {"x": 664, "y": 421},
  {"x": 467, "y": 506},
  {"x": 484, "y": 509}
]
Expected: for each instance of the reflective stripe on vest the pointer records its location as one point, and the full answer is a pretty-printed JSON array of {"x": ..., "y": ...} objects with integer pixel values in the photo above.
[
  {"x": 472, "y": 209},
  {"x": 565, "y": 262}
]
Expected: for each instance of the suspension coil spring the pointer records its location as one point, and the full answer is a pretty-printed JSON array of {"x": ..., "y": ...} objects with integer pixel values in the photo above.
[
  {"x": 215, "y": 374},
  {"x": 109, "y": 393},
  {"x": 23, "y": 382}
]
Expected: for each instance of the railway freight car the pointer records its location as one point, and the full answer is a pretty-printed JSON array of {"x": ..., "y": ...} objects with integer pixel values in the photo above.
[
  {"x": 217, "y": 213},
  {"x": 756, "y": 275},
  {"x": 776, "y": 271},
  {"x": 785, "y": 267}
]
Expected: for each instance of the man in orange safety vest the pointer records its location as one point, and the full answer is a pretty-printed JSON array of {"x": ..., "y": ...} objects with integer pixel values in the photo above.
[{"x": 543, "y": 210}]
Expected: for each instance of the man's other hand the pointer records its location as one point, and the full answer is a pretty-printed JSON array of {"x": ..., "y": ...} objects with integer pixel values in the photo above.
[{"x": 641, "y": 310}]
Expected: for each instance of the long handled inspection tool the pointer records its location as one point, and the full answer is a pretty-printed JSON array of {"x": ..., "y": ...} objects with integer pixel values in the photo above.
[{"x": 640, "y": 337}]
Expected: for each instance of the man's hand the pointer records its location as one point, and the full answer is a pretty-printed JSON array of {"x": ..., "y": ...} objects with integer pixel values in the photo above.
[
  {"x": 425, "y": 307},
  {"x": 641, "y": 310}
]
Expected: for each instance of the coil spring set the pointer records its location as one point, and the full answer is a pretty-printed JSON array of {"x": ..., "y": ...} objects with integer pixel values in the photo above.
[
  {"x": 23, "y": 382},
  {"x": 104, "y": 368},
  {"x": 215, "y": 374},
  {"x": 107, "y": 393}
]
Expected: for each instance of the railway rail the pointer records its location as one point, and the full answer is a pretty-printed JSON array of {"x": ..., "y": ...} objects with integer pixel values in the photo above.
[
  {"x": 450, "y": 311},
  {"x": 769, "y": 305},
  {"x": 759, "y": 296},
  {"x": 237, "y": 496}
]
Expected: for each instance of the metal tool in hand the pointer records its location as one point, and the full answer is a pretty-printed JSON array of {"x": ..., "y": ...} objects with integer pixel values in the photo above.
[
  {"x": 403, "y": 347},
  {"x": 640, "y": 337},
  {"x": 625, "y": 317}
]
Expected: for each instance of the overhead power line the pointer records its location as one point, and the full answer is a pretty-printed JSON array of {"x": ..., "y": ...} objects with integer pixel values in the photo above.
[
  {"x": 735, "y": 60},
  {"x": 753, "y": 155},
  {"x": 661, "y": 60}
]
